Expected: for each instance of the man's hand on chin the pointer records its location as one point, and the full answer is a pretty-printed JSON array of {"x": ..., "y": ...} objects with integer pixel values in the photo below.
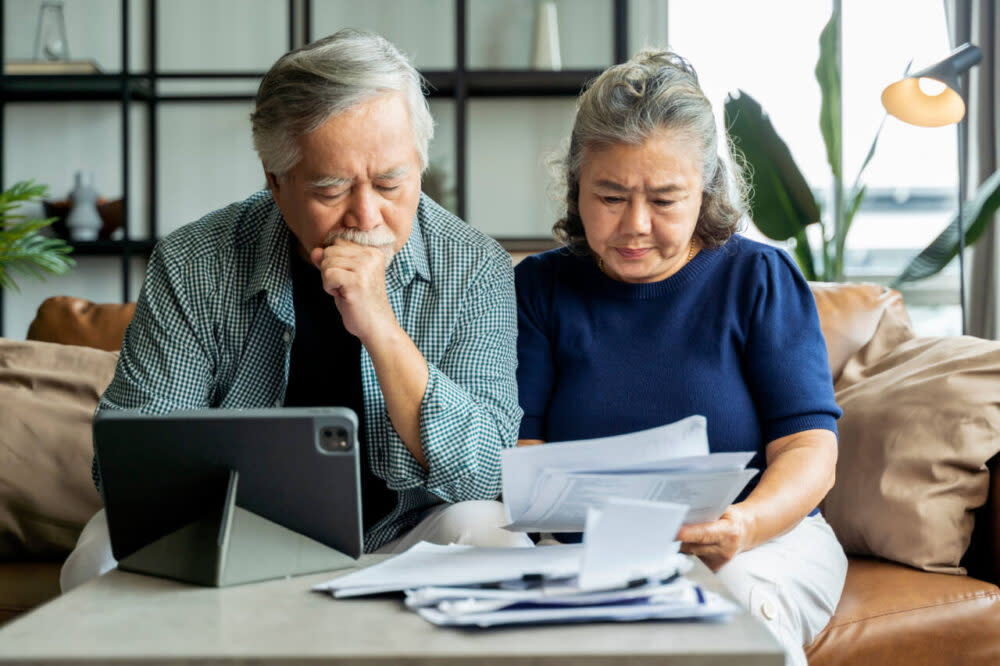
[{"x": 355, "y": 276}]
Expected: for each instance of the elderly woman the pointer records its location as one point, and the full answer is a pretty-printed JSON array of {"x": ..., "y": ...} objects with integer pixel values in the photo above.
[{"x": 655, "y": 309}]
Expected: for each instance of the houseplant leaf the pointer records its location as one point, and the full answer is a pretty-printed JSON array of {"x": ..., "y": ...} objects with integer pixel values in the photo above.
[
  {"x": 24, "y": 249},
  {"x": 977, "y": 215},
  {"x": 828, "y": 76},
  {"x": 804, "y": 255},
  {"x": 782, "y": 203}
]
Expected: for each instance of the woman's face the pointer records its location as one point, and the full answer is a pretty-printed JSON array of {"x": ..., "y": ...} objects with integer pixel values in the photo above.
[{"x": 639, "y": 205}]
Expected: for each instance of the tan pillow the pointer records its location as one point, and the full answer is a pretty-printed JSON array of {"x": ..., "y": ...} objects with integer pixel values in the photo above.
[
  {"x": 48, "y": 394},
  {"x": 921, "y": 420}
]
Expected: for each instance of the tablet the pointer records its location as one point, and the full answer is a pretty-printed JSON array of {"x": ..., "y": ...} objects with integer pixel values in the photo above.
[{"x": 295, "y": 467}]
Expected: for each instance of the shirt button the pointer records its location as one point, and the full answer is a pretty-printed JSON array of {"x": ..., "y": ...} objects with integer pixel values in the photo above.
[
  {"x": 768, "y": 610},
  {"x": 277, "y": 403},
  {"x": 286, "y": 336}
]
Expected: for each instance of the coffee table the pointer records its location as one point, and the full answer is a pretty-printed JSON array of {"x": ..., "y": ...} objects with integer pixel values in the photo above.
[{"x": 129, "y": 618}]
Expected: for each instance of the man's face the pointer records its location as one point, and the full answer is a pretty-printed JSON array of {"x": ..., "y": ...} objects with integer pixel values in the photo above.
[{"x": 359, "y": 179}]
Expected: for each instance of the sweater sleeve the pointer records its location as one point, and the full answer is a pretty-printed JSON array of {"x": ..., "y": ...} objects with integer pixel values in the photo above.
[
  {"x": 785, "y": 360},
  {"x": 536, "y": 362}
]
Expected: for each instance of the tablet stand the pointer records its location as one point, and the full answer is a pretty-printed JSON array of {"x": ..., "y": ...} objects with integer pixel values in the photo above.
[{"x": 230, "y": 546}]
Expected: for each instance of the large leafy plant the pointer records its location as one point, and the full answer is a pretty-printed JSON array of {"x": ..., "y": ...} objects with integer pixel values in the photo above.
[
  {"x": 783, "y": 206},
  {"x": 24, "y": 248}
]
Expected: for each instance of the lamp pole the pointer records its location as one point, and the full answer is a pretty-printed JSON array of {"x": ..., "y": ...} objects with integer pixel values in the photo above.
[
  {"x": 962, "y": 138},
  {"x": 906, "y": 101}
]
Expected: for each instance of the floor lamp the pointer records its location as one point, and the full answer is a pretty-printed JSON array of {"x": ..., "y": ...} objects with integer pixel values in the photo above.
[{"x": 906, "y": 100}]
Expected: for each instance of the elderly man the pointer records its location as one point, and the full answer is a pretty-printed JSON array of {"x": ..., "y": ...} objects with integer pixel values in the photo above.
[{"x": 341, "y": 284}]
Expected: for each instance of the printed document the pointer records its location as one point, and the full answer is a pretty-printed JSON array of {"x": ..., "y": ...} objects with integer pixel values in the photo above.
[{"x": 549, "y": 488}]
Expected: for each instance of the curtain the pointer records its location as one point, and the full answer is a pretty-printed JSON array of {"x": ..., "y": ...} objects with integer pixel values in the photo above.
[{"x": 976, "y": 21}]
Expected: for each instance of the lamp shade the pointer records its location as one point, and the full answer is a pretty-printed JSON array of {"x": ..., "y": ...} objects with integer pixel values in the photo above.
[{"x": 907, "y": 101}]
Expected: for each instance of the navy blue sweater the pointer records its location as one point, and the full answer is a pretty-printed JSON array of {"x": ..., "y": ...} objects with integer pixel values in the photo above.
[{"x": 734, "y": 335}]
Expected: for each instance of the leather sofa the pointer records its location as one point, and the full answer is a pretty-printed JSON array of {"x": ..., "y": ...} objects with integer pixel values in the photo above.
[{"x": 889, "y": 613}]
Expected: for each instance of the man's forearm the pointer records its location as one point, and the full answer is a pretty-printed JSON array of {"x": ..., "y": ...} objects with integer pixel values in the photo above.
[{"x": 402, "y": 376}]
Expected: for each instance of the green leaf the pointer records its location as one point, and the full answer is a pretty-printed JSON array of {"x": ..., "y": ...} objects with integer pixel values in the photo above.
[
  {"x": 854, "y": 203},
  {"x": 871, "y": 151},
  {"x": 804, "y": 256},
  {"x": 24, "y": 249},
  {"x": 977, "y": 216},
  {"x": 828, "y": 76},
  {"x": 781, "y": 203},
  {"x": 854, "y": 200}
]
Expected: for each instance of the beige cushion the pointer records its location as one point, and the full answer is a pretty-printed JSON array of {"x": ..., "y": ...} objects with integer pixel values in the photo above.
[
  {"x": 48, "y": 394},
  {"x": 921, "y": 420}
]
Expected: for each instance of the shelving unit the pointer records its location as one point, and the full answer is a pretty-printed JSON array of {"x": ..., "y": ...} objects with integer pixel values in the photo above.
[{"x": 460, "y": 85}]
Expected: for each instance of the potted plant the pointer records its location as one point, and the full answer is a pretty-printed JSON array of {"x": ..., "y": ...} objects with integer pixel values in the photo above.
[
  {"x": 24, "y": 247},
  {"x": 783, "y": 205}
]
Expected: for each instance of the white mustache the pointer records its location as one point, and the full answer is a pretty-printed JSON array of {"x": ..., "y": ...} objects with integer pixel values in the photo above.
[{"x": 381, "y": 238}]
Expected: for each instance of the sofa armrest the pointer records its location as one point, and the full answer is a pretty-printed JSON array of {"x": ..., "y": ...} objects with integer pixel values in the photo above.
[
  {"x": 982, "y": 559},
  {"x": 849, "y": 315},
  {"x": 67, "y": 320}
]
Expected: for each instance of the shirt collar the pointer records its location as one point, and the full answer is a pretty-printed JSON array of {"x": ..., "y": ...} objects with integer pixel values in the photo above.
[{"x": 411, "y": 260}]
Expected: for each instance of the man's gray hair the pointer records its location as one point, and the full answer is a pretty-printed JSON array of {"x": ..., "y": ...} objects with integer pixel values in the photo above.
[
  {"x": 307, "y": 86},
  {"x": 627, "y": 104}
]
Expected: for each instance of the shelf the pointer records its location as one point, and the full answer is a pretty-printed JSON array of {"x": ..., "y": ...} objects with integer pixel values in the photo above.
[
  {"x": 527, "y": 83},
  {"x": 441, "y": 84},
  {"x": 510, "y": 83},
  {"x": 103, "y": 248},
  {"x": 71, "y": 88},
  {"x": 530, "y": 245}
]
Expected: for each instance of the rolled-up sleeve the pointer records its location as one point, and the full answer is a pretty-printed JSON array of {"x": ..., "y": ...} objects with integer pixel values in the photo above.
[{"x": 470, "y": 411}]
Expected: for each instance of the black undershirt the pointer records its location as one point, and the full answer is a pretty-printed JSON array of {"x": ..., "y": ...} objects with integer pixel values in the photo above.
[{"x": 325, "y": 371}]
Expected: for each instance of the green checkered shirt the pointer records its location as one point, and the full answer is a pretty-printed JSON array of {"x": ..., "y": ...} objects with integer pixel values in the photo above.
[{"x": 215, "y": 321}]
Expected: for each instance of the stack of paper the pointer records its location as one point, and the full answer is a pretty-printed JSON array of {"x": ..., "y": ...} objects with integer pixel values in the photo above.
[
  {"x": 617, "y": 573},
  {"x": 672, "y": 598},
  {"x": 549, "y": 488}
]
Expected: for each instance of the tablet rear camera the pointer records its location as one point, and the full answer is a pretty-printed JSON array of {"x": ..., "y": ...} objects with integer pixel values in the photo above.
[{"x": 334, "y": 439}]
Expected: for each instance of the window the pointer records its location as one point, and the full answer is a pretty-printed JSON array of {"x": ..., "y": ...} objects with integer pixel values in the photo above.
[{"x": 769, "y": 49}]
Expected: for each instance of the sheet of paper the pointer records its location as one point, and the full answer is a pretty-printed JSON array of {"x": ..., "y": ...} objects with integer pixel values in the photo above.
[
  {"x": 562, "y": 593},
  {"x": 679, "y": 591},
  {"x": 564, "y": 497},
  {"x": 523, "y": 465},
  {"x": 710, "y": 607},
  {"x": 428, "y": 564},
  {"x": 627, "y": 540},
  {"x": 705, "y": 463}
]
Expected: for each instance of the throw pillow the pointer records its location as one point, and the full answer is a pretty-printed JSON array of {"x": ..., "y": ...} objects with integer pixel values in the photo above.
[
  {"x": 48, "y": 393},
  {"x": 921, "y": 420}
]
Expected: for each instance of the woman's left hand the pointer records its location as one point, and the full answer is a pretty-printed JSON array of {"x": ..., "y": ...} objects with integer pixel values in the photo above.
[{"x": 719, "y": 541}]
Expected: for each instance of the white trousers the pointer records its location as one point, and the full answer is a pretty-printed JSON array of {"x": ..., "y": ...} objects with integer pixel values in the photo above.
[
  {"x": 791, "y": 583},
  {"x": 476, "y": 523}
]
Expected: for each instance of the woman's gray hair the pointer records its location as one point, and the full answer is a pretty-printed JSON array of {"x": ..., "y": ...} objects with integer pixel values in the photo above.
[
  {"x": 307, "y": 86},
  {"x": 628, "y": 103}
]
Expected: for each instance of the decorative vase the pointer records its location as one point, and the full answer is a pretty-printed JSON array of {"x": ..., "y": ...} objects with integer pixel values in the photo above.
[
  {"x": 83, "y": 221},
  {"x": 50, "y": 37},
  {"x": 546, "y": 51}
]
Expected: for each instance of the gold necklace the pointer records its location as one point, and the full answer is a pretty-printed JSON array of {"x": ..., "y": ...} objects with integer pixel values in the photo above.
[{"x": 691, "y": 253}]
